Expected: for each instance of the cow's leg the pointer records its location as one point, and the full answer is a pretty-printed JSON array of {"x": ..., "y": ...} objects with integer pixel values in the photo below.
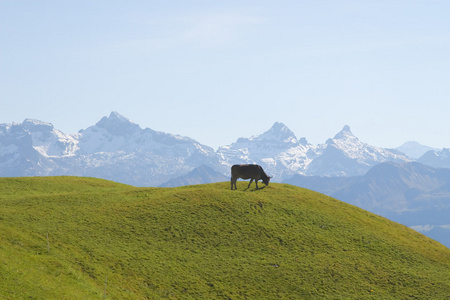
[
  {"x": 233, "y": 182},
  {"x": 251, "y": 180},
  {"x": 256, "y": 181}
]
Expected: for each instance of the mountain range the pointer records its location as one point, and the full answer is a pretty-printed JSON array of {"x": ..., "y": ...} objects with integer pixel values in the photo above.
[{"x": 117, "y": 149}]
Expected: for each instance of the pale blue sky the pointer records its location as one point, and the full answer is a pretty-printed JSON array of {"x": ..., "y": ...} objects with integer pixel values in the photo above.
[{"x": 219, "y": 70}]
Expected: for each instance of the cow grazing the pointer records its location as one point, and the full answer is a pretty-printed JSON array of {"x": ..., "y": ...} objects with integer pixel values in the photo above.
[{"x": 252, "y": 172}]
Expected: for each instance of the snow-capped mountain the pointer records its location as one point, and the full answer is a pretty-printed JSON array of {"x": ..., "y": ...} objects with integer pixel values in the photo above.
[
  {"x": 118, "y": 134},
  {"x": 346, "y": 155},
  {"x": 49, "y": 141},
  {"x": 277, "y": 150},
  {"x": 280, "y": 153},
  {"x": 110, "y": 134},
  {"x": 115, "y": 148},
  {"x": 26, "y": 149}
]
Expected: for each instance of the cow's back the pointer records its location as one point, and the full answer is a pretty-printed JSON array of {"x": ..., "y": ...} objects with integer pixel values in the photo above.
[{"x": 245, "y": 171}]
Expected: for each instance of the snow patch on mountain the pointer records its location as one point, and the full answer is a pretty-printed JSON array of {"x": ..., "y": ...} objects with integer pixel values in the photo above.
[{"x": 48, "y": 141}]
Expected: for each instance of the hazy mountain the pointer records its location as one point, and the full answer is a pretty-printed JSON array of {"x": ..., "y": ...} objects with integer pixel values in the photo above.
[
  {"x": 387, "y": 187},
  {"x": 202, "y": 174},
  {"x": 437, "y": 159},
  {"x": 323, "y": 184},
  {"x": 414, "y": 149},
  {"x": 398, "y": 188},
  {"x": 409, "y": 193}
]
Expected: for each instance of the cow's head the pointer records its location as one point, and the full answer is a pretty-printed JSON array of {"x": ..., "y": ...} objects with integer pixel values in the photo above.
[{"x": 266, "y": 180}]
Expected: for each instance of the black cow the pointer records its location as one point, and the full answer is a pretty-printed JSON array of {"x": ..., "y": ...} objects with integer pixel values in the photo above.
[{"x": 252, "y": 172}]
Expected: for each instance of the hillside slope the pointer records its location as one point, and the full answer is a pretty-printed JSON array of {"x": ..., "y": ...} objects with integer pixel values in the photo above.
[
  {"x": 412, "y": 194},
  {"x": 204, "y": 242}
]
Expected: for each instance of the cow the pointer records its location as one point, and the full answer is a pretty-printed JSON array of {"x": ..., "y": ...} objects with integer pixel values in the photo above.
[{"x": 252, "y": 172}]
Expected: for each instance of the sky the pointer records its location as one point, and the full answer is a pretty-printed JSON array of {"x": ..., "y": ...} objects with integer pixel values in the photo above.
[{"x": 219, "y": 70}]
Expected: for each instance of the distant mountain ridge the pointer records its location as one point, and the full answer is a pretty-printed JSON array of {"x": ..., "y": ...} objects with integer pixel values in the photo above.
[
  {"x": 414, "y": 149},
  {"x": 117, "y": 149},
  {"x": 436, "y": 158}
]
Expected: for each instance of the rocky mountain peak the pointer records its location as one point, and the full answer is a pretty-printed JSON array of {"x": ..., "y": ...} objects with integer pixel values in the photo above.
[
  {"x": 280, "y": 133},
  {"x": 344, "y": 133},
  {"x": 116, "y": 124},
  {"x": 36, "y": 125}
]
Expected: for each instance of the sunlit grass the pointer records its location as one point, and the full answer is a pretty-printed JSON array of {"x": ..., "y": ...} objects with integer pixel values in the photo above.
[{"x": 204, "y": 242}]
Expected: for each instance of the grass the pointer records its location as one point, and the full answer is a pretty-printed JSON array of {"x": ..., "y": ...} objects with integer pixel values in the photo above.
[{"x": 205, "y": 242}]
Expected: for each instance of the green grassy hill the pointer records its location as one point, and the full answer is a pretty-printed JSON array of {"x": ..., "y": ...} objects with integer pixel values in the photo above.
[{"x": 204, "y": 242}]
